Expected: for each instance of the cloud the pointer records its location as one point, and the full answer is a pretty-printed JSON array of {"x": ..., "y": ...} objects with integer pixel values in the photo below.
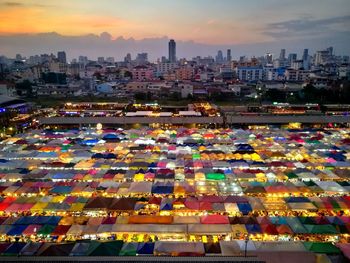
[
  {"x": 211, "y": 21},
  {"x": 20, "y": 4},
  {"x": 12, "y": 4},
  {"x": 37, "y": 20},
  {"x": 307, "y": 26}
]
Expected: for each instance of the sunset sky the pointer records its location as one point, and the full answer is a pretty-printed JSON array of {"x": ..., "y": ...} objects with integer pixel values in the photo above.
[
  {"x": 200, "y": 27},
  {"x": 218, "y": 22}
]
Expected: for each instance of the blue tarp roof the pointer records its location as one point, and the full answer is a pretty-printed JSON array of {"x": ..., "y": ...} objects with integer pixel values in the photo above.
[
  {"x": 145, "y": 248},
  {"x": 90, "y": 142},
  {"x": 162, "y": 189},
  {"x": 61, "y": 189},
  {"x": 278, "y": 220},
  {"x": 253, "y": 228},
  {"x": 25, "y": 220},
  {"x": 14, "y": 248},
  {"x": 297, "y": 199},
  {"x": 245, "y": 208},
  {"x": 166, "y": 206},
  {"x": 47, "y": 155},
  {"x": 16, "y": 230},
  {"x": 50, "y": 220}
]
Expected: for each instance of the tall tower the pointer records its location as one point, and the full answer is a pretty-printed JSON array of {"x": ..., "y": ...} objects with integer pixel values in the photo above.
[
  {"x": 306, "y": 54},
  {"x": 219, "y": 57},
  {"x": 283, "y": 54},
  {"x": 228, "y": 56},
  {"x": 172, "y": 51}
]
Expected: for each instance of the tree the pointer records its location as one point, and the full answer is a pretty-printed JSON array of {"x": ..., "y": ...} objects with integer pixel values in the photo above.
[
  {"x": 310, "y": 92},
  {"x": 176, "y": 96},
  {"x": 25, "y": 88},
  {"x": 190, "y": 96},
  {"x": 275, "y": 95},
  {"x": 128, "y": 74},
  {"x": 140, "y": 96}
]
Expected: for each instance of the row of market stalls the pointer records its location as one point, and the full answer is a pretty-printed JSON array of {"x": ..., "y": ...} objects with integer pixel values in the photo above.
[
  {"x": 261, "y": 250},
  {"x": 186, "y": 185},
  {"x": 143, "y": 228},
  {"x": 231, "y": 205},
  {"x": 115, "y": 184}
]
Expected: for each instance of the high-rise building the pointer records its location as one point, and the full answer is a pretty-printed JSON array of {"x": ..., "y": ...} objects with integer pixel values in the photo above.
[
  {"x": 283, "y": 54},
  {"x": 306, "y": 54},
  {"x": 321, "y": 57},
  {"x": 228, "y": 56},
  {"x": 219, "y": 57},
  {"x": 306, "y": 60},
  {"x": 292, "y": 57},
  {"x": 61, "y": 56},
  {"x": 269, "y": 58},
  {"x": 172, "y": 51}
]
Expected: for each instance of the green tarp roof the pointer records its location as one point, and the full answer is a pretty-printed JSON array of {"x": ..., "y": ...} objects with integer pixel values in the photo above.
[
  {"x": 110, "y": 248},
  {"x": 215, "y": 176},
  {"x": 319, "y": 247},
  {"x": 321, "y": 229}
]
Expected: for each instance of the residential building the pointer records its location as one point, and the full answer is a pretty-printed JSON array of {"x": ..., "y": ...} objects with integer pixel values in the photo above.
[
  {"x": 142, "y": 73},
  {"x": 186, "y": 90},
  {"x": 249, "y": 73},
  {"x": 165, "y": 67},
  {"x": 184, "y": 73}
]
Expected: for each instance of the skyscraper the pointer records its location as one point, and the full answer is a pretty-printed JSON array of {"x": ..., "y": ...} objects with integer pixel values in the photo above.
[
  {"x": 269, "y": 58},
  {"x": 219, "y": 57},
  {"x": 292, "y": 57},
  {"x": 172, "y": 51},
  {"x": 61, "y": 56},
  {"x": 306, "y": 63},
  {"x": 228, "y": 56},
  {"x": 283, "y": 54},
  {"x": 306, "y": 54}
]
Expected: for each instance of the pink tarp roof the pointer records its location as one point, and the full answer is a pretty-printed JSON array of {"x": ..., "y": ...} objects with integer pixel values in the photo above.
[
  {"x": 345, "y": 248},
  {"x": 31, "y": 229},
  {"x": 215, "y": 219}
]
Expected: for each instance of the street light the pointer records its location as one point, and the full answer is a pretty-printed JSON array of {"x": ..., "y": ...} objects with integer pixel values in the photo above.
[{"x": 246, "y": 240}]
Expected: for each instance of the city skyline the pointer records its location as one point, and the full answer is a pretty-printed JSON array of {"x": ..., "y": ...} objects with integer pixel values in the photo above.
[
  {"x": 201, "y": 26},
  {"x": 100, "y": 46}
]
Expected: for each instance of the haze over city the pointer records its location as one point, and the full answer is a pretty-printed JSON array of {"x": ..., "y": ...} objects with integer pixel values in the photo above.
[{"x": 200, "y": 28}]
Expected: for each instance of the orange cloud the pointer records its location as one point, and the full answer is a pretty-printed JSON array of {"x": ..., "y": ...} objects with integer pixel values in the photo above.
[
  {"x": 26, "y": 18},
  {"x": 38, "y": 20},
  {"x": 19, "y": 20}
]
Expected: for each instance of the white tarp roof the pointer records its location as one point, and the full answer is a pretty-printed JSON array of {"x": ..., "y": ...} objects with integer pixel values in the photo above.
[{"x": 171, "y": 247}]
